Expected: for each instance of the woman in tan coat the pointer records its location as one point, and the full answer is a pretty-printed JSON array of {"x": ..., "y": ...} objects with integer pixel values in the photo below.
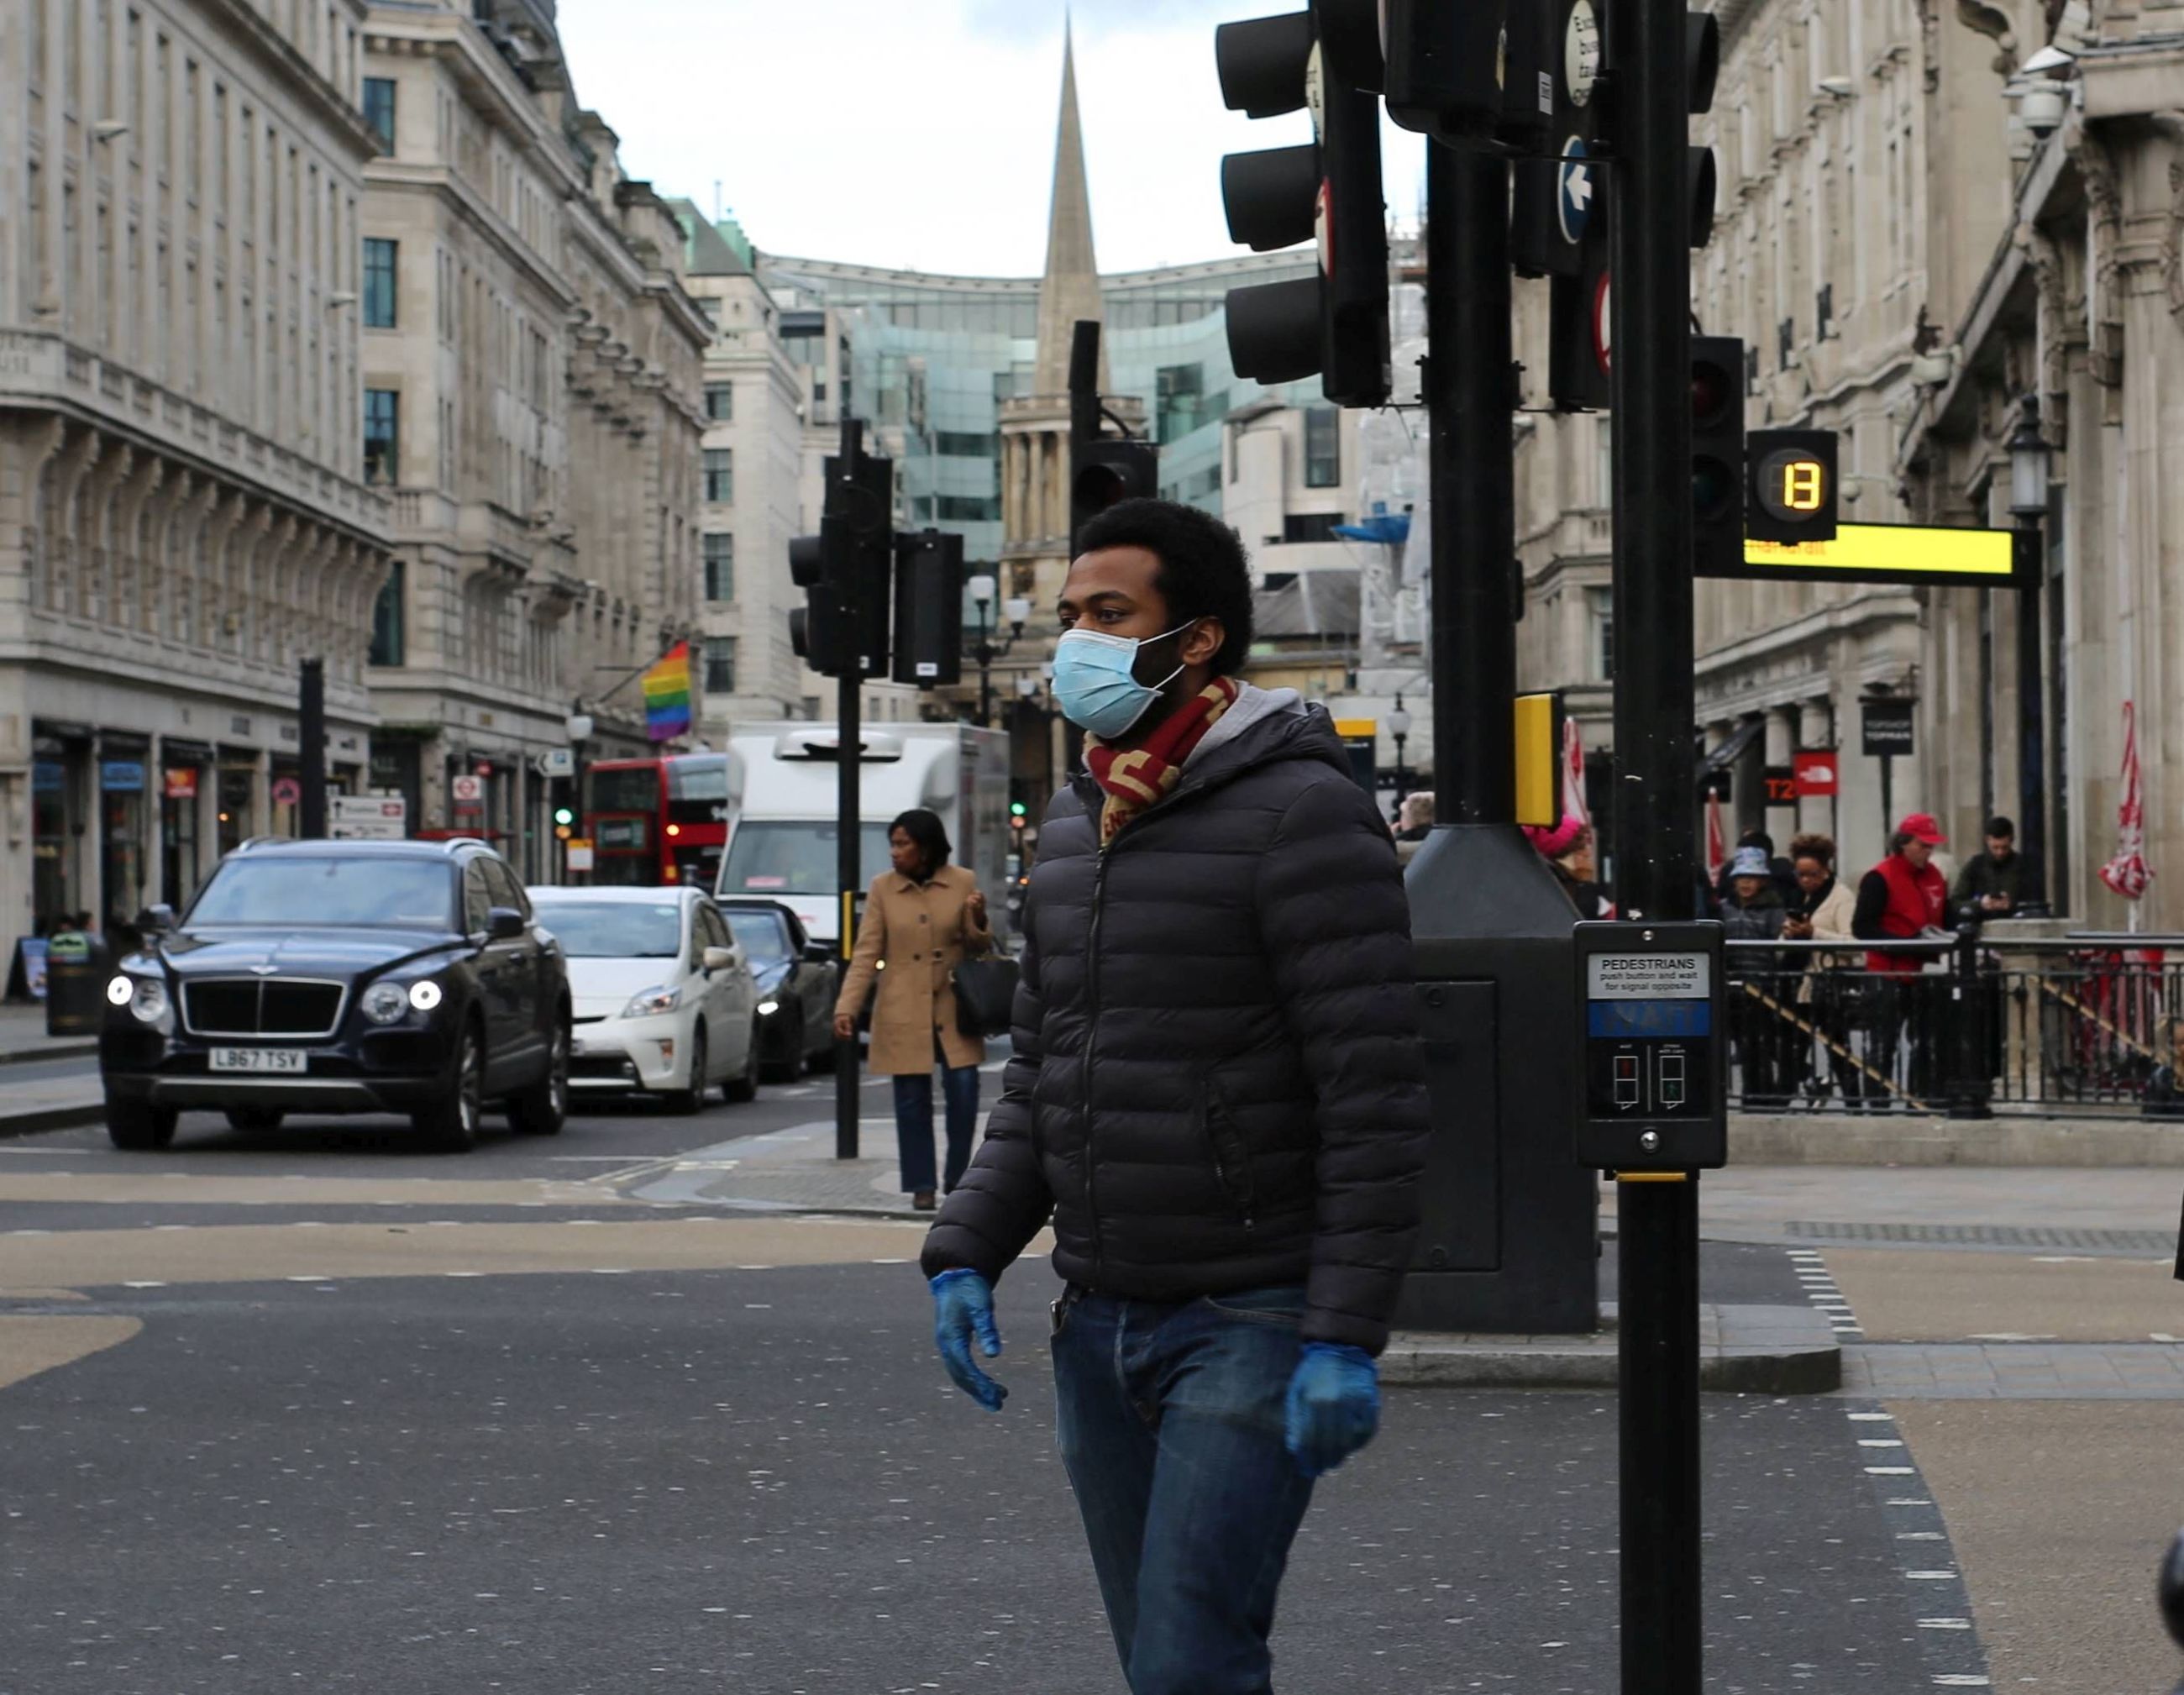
[{"x": 921, "y": 920}]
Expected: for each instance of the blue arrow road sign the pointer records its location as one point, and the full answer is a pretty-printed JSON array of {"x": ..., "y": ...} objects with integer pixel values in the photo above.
[{"x": 1578, "y": 183}]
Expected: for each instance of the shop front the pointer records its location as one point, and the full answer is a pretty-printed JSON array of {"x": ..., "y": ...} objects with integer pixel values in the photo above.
[
  {"x": 186, "y": 775},
  {"x": 124, "y": 806}
]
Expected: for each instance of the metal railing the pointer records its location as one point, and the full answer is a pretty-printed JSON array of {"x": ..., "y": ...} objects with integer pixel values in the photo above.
[{"x": 1959, "y": 1026}]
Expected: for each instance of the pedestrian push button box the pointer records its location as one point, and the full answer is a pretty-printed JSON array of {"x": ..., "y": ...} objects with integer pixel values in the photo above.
[{"x": 1655, "y": 1094}]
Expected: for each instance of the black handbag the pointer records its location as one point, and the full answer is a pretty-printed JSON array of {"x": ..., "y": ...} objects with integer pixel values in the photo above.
[{"x": 985, "y": 995}]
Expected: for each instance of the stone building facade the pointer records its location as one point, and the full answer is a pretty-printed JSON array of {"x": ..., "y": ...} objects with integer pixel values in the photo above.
[
  {"x": 532, "y": 398},
  {"x": 182, "y": 513},
  {"x": 1906, "y": 263}
]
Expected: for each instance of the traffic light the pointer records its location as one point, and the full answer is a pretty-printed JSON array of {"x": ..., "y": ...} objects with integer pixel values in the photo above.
[
  {"x": 1108, "y": 469},
  {"x": 1333, "y": 326},
  {"x": 1717, "y": 454},
  {"x": 1702, "y": 66},
  {"x": 845, "y": 570},
  {"x": 1791, "y": 494},
  {"x": 1448, "y": 66},
  {"x": 928, "y": 609}
]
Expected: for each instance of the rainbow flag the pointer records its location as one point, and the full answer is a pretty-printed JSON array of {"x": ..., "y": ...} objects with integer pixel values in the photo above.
[{"x": 668, "y": 694}]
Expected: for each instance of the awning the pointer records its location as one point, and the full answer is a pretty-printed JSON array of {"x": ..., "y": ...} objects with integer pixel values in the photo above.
[{"x": 1740, "y": 739}]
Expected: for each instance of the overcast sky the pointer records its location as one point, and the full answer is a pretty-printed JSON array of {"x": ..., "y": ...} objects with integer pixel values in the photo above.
[{"x": 921, "y": 132}]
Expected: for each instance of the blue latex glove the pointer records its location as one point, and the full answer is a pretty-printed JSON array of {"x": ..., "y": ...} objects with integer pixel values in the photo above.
[
  {"x": 1334, "y": 1405},
  {"x": 963, "y": 1307}
]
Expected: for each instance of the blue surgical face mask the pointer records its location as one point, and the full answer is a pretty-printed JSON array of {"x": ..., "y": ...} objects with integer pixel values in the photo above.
[{"x": 1095, "y": 679}]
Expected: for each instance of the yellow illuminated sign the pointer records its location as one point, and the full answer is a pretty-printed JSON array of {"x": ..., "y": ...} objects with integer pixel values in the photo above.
[
  {"x": 1889, "y": 553},
  {"x": 1804, "y": 488}
]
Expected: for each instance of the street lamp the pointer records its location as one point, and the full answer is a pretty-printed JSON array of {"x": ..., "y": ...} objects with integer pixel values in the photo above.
[
  {"x": 1017, "y": 611},
  {"x": 2030, "y": 473},
  {"x": 579, "y": 725},
  {"x": 1399, "y": 727}
]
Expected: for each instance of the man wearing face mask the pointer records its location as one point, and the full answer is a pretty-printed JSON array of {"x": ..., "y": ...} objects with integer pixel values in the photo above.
[{"x": 1216, "y": 1095}]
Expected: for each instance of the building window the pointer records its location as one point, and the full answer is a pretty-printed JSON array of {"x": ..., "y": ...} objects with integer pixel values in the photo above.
[
  {"x": 1178, "y": 401},
  {"x": 1601, "y": 604},
  {"x": 720, "y": 566},
  {"x": 383, "y": 436},
  {"x": 720, "y": 665},
  {"x": 378, "y": 283},
  {"x": 961, "y": 445},
  {"x": 1322, "y": 446},
  {"x": 378, "y": 109},
  {"x": 389, "y": 640},
  {"x": 970, "y": 508},
  {"x": 721, "y": 402},
  {"x": 1310, "y": 527},
  {"x": 720, "y": 475}
]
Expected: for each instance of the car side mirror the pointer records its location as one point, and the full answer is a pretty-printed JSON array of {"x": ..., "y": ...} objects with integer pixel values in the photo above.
[
  {"x": 504, "y": 924},
  {"x": 819, "y": 953},
  {"x": 721, "y": 959},
  {"x": 154, "y": 920}
]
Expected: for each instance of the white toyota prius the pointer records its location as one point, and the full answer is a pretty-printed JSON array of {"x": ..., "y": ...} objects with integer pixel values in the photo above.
[{"x": 662, "y": 1000}]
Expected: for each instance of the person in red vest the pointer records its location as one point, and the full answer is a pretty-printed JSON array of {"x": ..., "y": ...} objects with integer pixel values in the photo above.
[{"x": 1902, "y": 897}]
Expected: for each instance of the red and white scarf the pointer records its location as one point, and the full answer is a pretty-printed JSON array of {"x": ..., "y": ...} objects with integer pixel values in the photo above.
[{"x": 1143, "y": 777}]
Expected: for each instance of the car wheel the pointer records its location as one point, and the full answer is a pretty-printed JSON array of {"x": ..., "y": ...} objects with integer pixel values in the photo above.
[
  {"x": 451, "y": 1123},
  {"x": 789, "y": 1063},
  {"x": 541, "y": 1109},
  {"x": 138, "y": 1126},
  {"x": 257, "y": 1119},
  {"x": 693, "y": 1099},
  {"x": 746, "y": 1087}
]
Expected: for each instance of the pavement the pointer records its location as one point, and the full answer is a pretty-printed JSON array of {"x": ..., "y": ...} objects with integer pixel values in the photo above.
[{"x": 629, "y": 1407}]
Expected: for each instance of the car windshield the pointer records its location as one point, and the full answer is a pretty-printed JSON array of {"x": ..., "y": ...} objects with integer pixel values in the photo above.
[
  {"x": 615, "y": 929},
  {"x": 762, "y": 936},
  {"x": 316, "y": 890},
  {"x": 785, "y": 857}
]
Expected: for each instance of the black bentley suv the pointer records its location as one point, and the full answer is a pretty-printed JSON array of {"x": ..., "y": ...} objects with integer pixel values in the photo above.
[{"x": 342, "y": 977}]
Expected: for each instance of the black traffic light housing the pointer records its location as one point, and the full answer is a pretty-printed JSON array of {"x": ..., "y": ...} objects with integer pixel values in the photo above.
[
  {"x": 845, "y": 570},
  {"x": 1106, "y": 470},
  {"x": 1717, "y": 454},
  {"x": 1789, "y": 494},
  {"x": 1335, "y": 324},
  {"x": 928, "y": 609}
]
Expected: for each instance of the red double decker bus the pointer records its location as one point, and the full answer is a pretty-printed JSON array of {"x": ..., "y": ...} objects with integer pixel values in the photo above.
[{"x": 658, "y": 821}]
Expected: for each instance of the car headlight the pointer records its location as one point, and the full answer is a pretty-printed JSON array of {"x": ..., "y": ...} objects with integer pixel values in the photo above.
[
  {"x": 425, "y": 996},
  {"x": 386, "y": 1003},
  {"x": 649, "y": 1002},
  {"x": 767, "y": 1009},
  {"x": 120, "y": 991},
  {"x": 148, "y": 999}
]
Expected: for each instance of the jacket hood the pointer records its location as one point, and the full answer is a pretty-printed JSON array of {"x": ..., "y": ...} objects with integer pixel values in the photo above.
[{"x": 1264, "y": 725}]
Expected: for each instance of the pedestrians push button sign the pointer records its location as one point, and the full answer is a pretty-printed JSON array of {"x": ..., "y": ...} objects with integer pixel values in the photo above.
[{"x": 1654, "y": 1095}]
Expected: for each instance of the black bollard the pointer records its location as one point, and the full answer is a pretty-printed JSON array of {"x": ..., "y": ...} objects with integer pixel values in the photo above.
[{"x": 2171, "y": 1589}]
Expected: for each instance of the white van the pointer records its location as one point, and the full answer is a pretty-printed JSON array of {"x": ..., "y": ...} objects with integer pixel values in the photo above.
[{"x": 783, "y": 844}]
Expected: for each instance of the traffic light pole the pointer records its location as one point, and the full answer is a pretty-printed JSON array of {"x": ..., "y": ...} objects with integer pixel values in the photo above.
[
  {"x": 1657, "y": 1219},
  {"x": 848, "y": 587},
  {"x": 1473, "y": 472}
]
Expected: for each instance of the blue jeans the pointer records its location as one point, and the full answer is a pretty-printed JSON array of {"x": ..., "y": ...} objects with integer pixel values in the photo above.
[
  {"x": 913, "y": 1124},
  {"x": 1171, "y": 1425}
]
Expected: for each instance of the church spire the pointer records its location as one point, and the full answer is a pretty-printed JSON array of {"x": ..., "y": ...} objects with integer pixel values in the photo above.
[{"x": 1070, "y": 288}]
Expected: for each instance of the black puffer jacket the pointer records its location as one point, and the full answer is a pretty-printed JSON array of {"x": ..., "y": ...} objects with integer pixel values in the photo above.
[{"x": 1217, "y": 1083}]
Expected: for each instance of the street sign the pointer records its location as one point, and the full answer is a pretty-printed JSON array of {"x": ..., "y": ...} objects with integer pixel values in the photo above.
[
  {"x": 1896, "y": 553},
  {"x": 1603, "y": 321},
  {"x": 1817, "y": 774},
  {"x": 468, "y": 792},
  {"x": 1576, "y": 187},
  {"x": 1581, "y": 53},
  {"x": 367, "y": 817},
  {"x": 555, "y": 762},
  {"x": 580, "y": 854},
  {"x": 287, "y": 791},
  {"x": 1781, "y": 785},
  {"x": 1888, "y": 729}
]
